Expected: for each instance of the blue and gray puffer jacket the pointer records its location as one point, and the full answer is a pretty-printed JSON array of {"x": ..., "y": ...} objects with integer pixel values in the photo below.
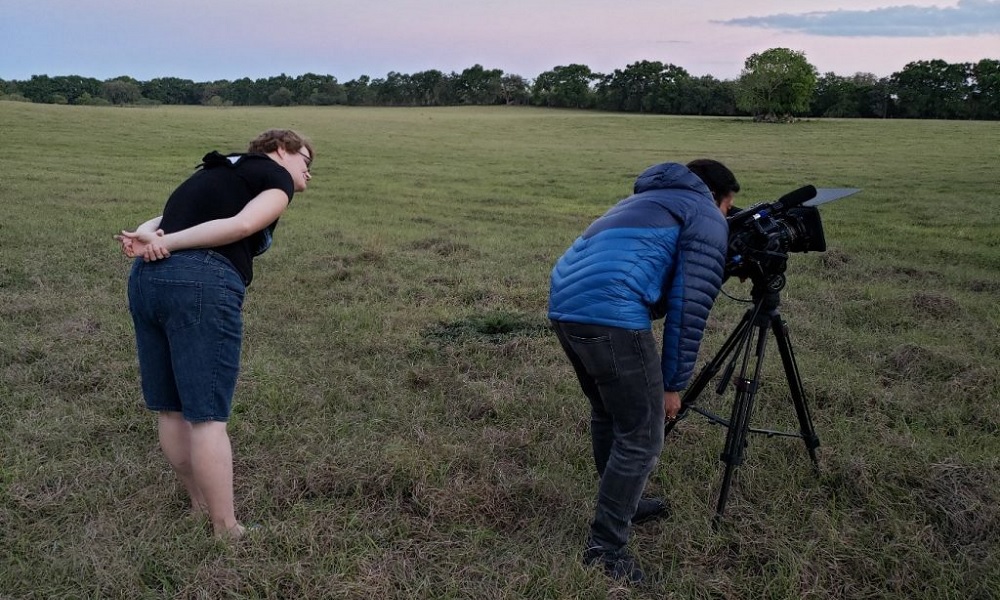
[{"x": 659, "y": 252}]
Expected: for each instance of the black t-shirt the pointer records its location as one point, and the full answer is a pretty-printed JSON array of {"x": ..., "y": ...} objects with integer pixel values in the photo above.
[{"x": 220, "y": 189}]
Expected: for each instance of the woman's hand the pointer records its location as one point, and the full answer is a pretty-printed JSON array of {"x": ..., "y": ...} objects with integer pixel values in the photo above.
[{"x": 150, "y": 245}]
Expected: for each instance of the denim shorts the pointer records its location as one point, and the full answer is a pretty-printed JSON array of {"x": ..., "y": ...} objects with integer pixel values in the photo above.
[{"x": 187, "y": 311}]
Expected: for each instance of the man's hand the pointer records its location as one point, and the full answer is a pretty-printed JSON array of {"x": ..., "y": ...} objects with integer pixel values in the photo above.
[{"x": 671, "y": 405}]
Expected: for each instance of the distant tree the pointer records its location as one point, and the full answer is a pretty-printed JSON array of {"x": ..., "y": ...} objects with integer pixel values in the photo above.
[
  {"x": 705, "y": 95},
  {"x": 359, "y": 92},
  {"x": 241, "y": 92},
  {"x": 832, "y": 97},
  {"x": 666, "y": 96},
  {"x": 14, "y": 97},
  {"x": 67, "y": 88},
  {"x": 377, "y": 90},
  {"x": 862, "y": 95},
  {"x": 265, "y": 89},
  {"x": 933, "y": 89},
  {"x": 37, "y": 89},
  {"x": 327, "y": 91},
  {"x": 322, "y": 90},
  {"x": 209, "y": 90},
  {"x": 565, "y": 87},
  {"x": 721, "y": 97},
  {"x": 630, "y": 89},
  {"x": 281, "y": 97},
  {"x": 430, "y": 88},
  {"x": 514, "y": 89},
  {"x": 871, "y": 94},
  {"x": 123, "y": 90},
  {"x": 395, "y": 89},
  {"x": 171, "y": 90},
  {"x": 985, "y": 93},
  {"x": 86, "y": 99},
  {"x": 477, "y": 85},
  {"x": 643, "y": 86},
  {"x": 776, "y": 84}
]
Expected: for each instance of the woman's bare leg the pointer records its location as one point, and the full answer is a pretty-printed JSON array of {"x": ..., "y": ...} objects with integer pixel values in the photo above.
[
  {"x": 212, "y": 467},
  {"x": 175, "y": 441}
]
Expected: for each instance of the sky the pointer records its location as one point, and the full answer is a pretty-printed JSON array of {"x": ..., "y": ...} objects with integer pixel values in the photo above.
[{"x": 230, "y": 39}]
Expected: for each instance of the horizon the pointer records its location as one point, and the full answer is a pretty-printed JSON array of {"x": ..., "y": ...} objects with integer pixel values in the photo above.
[{"x": 103, "y": 41}]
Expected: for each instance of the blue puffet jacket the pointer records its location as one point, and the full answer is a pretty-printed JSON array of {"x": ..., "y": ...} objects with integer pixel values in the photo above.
[{"x": 658, "y": 253}]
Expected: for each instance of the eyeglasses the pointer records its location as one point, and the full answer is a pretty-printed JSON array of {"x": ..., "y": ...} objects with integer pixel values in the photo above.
[{"x": 309, "y": 160}]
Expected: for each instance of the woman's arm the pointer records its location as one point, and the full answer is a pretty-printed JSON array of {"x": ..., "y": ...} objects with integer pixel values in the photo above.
[
  {"x": 260, "y": 212},
  {"x": 151, "y": 225},
  {"x": 256, "y": 215}
]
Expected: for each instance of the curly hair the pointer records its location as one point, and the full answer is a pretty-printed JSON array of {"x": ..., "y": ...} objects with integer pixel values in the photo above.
[{"x": 272, "y": 139}]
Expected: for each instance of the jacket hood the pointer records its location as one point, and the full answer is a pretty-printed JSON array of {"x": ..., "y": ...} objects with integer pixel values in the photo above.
[{"x": 665, "y": 176}]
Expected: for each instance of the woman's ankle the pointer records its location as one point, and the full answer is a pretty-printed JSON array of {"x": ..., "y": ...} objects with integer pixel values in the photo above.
[{"x": 228, "y": 529}]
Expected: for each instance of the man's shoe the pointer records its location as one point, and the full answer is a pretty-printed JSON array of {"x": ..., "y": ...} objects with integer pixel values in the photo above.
[
  {"x": 620, "y": 565},
  {"x": 651, "y": 509}
]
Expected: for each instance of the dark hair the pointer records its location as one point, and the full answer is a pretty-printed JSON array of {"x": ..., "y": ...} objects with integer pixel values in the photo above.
[{"x": 716, "y": 176}]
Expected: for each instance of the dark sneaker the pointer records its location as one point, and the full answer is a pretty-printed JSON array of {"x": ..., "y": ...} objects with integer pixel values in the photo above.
[
  {"x": 620, "y": 565},
  {"x": 651, "y": 509}
]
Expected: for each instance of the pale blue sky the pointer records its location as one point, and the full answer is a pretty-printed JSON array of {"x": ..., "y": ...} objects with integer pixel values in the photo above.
[{"x": 229, "y": 39}]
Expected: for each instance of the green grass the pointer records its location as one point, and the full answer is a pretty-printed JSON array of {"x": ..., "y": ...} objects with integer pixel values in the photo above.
[{"x": 405, "y": 425}]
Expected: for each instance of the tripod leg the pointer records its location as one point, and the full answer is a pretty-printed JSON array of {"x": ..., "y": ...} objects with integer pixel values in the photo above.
[
  {"x": 739, "y": 421},
  {"x": 806, "y": 429}
]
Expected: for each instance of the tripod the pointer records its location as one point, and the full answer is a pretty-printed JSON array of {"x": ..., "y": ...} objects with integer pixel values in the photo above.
[{"x": 749, "y": 336}]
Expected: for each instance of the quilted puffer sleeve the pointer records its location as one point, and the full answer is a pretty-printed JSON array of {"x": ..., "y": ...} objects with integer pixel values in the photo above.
[{"x": 695, "y": 283}]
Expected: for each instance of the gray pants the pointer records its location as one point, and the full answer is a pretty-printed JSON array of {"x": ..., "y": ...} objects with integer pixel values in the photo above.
[{"x": 619, "y": 372}]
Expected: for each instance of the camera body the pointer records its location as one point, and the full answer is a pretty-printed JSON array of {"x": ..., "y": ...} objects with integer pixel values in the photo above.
[{"x": 761, "y": 237}]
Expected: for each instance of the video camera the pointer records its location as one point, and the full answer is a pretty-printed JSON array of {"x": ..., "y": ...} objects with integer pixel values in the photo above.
[{"x": 761, "y": 237}]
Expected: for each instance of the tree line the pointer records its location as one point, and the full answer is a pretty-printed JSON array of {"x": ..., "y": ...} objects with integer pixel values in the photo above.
[{"x": 778, "y": 84}]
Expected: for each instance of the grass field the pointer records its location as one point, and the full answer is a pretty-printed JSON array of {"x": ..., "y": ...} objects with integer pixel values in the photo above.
[{"x": 405, "y": 424}]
